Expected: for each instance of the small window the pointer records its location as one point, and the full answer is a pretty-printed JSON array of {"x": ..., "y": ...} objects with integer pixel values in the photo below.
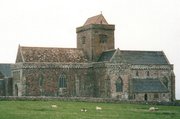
[
  {"x": 83, "y": 40},
  {"x": 62, "y": 81},
  {"x": 41, "y": 80},
  {"x": 103, "y": 38},
  {"x": 147, "y": 73},
  {"x": 134, "y": 96},
  {"x": 156, "y": 95},
  {"x": 137, "y": 73},
  {"x": 119, "y": 85}
]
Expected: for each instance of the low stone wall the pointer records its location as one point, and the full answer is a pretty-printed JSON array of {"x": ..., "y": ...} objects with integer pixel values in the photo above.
[{"x": 83, "y": 99}]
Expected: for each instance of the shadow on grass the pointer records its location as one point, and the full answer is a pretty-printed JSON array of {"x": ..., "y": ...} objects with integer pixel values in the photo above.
[{"x": 36, "y": 109}]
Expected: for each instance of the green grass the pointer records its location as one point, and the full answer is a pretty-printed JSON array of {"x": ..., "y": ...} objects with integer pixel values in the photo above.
[{"x": 71, "y": 110}]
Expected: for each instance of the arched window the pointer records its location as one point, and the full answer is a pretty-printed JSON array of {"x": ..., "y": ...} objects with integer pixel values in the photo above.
[
  {"x": 145, "y": 97},
  {"x": 147, "y": 73},
  {"x": 165, "y": 81},
  {"x": 41, "y": 80},
  {"x": 137, "y": 73},
  {"x": 119, "y": 85},
  {"x": 62, "y": 83}
]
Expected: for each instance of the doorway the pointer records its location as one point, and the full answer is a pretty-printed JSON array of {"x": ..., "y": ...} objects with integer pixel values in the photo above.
[{"x": 145, "y": 97}]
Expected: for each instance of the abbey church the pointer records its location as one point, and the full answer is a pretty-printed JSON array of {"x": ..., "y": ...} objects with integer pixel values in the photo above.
[{"x": 93, "y": 69}]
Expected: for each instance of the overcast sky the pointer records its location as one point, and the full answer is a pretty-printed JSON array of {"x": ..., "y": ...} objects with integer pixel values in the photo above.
[{"x": 140, "y": 25}]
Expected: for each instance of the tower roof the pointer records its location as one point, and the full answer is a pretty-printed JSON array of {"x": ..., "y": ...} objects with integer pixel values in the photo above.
[{"x": 99, "y": 19}]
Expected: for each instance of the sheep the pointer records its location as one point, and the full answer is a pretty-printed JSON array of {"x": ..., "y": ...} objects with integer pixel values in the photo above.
[
  {"x": 153, "y": 109},
  {"x": 54, "y": 106},
  {"x": 98, "y": 108},
  {"x": 83, "y": 110}
]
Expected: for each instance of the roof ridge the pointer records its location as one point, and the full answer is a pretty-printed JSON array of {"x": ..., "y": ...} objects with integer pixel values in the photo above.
[
  {"x": 95, "y": 16},
  {"x": 142, "y": 50},
  {"x": 48, "y": 47},
  {"x": 98, "y": 19}
]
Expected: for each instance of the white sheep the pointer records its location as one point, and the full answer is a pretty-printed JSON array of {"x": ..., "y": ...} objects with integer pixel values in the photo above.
[
  {"x": 153, "y": 109},
  {"x": 83, "y": 110},
  {"x": 54, "y": 106},
  {"x": 98, "y": 108}
]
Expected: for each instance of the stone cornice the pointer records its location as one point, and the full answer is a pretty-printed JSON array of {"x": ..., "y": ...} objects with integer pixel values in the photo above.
[
  {"x": 95, "y": 26},
  {"x": 50, "y": 65},
  {"x": 152, "y": 67},
  {"x": 90, "y": 65}
]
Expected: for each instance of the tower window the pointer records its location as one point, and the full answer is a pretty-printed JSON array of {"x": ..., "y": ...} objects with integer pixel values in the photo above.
[
  {"x": 83, "y": 40},
  {"x": 103, "y": 38}
]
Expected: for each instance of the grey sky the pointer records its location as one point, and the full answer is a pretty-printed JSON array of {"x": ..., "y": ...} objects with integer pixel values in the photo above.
[{"x": 140, "y": 25}]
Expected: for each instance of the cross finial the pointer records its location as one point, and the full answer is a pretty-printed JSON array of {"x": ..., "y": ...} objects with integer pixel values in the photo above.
[{"x": 101, "y": 12}]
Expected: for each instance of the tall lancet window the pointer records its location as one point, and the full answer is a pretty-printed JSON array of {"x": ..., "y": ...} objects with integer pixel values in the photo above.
[
  {"x": 62, "y": 83},
  {"x": 119, "y": 85},
  {"x": 41, "y": 80}
]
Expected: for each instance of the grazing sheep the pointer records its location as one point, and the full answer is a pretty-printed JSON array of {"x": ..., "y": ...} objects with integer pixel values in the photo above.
[
  {"x": 153, "y": 109},
  {"x": 98, "y": 108},
  {"x": 83, "y": 110},
  {"x": 54, "y": 106}
]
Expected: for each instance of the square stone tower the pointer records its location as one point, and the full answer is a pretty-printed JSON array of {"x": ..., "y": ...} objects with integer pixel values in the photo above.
[{"x": 95, "y": 36}]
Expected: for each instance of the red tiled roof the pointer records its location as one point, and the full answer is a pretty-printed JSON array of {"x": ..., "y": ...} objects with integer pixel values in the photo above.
[
  {"x": 99, "y": 19},
  {"x": 45, "y": 54}
]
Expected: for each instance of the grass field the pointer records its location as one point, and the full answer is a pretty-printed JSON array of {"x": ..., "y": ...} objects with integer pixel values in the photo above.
[{"x": 71, "y": 110}]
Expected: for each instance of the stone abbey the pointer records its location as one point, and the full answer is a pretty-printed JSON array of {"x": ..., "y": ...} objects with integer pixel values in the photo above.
[{"x": 93, "y": 69}]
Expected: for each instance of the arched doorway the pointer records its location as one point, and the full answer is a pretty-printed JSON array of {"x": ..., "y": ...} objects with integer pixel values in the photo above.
[{"x": 145, "y": 97}]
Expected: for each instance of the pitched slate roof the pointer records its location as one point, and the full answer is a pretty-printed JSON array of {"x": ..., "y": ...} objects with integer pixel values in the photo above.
[
  {"x": 99, "y": 19},
  {"x": 45, "y": 54},
  {"x": 148, "y": 85},
  {"x": 137, "y": 57},
  {"x": 145, "y": 57},
  {"x": 5, "y": 70},
  {"x": 107, "y": 55}
]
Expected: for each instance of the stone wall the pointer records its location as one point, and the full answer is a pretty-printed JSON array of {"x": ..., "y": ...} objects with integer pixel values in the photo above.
[
  {"x": 88, "y": 39},
  {"x": 79, "y": 80},
  {"x": 157, "y": 72},
  {"x": 152, "y": 97},
  {"x": 116, "y": 71},
  {"x": 85, "y": 99},
  {"x": 87, "y": 79}
]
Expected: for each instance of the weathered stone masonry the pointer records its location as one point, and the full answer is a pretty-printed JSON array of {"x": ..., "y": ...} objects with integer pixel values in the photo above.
[{"x": 94, "y": 69}]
